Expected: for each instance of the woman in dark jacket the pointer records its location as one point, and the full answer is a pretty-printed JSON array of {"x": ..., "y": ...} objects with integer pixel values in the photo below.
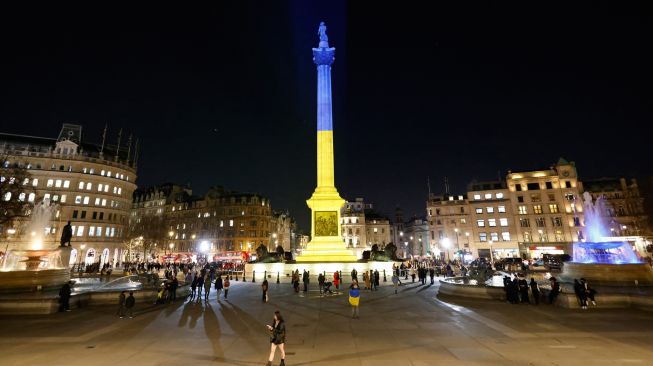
[
  {"x": 277, "y": 338},
  {"x": 535, "y": 289},
  {"x": 218, "y": 287}
]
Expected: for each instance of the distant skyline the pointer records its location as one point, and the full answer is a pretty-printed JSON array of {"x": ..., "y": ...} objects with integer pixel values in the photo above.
[{"x": 226, "y": 95}]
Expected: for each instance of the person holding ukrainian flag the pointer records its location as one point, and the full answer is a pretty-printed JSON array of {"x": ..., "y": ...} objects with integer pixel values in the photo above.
[{"x": 354, "y": 298}]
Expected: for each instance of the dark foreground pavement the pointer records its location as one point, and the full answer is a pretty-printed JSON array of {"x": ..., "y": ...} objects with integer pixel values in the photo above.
[{"x": 414, "y": 327}]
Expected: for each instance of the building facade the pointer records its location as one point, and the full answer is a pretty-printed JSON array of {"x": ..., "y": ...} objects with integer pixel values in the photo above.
[
  {"x": 449, "y": 223},
  {"x": 72, "y": 180},
  {"x": 362, "y": 227}
]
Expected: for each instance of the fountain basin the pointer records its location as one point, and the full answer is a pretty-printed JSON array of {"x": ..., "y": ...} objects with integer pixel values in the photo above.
[
  {"x": 609, "y": 274},
  {"x": 22, "y": 281}
]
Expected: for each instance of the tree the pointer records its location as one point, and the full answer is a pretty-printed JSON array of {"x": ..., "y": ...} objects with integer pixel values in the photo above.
[
  {"x": 15, "y": 190},
  {"x": 144, "y": 232}
]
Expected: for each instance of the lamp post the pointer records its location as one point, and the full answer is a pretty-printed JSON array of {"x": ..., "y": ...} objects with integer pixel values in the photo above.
[
  {"x": 457, "y": 240},
  {"x": 491, "y": 254}
]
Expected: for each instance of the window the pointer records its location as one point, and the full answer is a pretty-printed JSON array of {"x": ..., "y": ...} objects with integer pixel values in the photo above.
[
  {"x": 552, "y": 197},
  {"x": 621, "y": 211},
  {"x": 109, "y": 175},
  {"x": 477, "y": 196},
  {"x": 520, "y": 198},
  {"x": 543, "y": 236},
  {"x": 101, "y": 215},
  {"x": 569, "y": 196},
  {"x": 32, "y": 196},
  {"x": 91, "y": 231},
  {"x": 482, "y": 237},
  {"x": 63, "y": 198},
  {"x": 463, "y": 221},
  {"x": 567, "y": 184},
  {"x": 89, "y": 186},
  {"x": 505, "y": 236},
  {"x": 86, "y": 199},
  {"x": 50, "y": 183},
  {"x": 480, "y": 223},
  {"x": 492, "y": 222},
  {"x": 533, "y": 186},
  {"x": 489, "y": 209},
  {"x": 523, "y": 210},
  {"x": 104, "y": 202},
  {"x": 21, "y": 197},
  {"x": 576, "y": 221},
  {"x": 549, "y": 185},
  {"x": 99, "y": 187},
  {"x": 94, "y": 215},
  {"x": 97, "y": 201},
  {"x": 35, "y": 182},
  {"x": 80, "y": 230},
  {"x": 46, "y": 196},
  {"x": 494, "y": 236},
  {"x": 106, "y": 189},
  {"x": 539, "y": 222},
  {"x": 524, "y": 222},
  {"x": 55, "y": 198},
  {"x": 537, "y": 209},
  {"x": 559, "y": 236},
  {"x": 376, "y": 230},
  {"x": 556, "y": 221},
  {"x": 479, "y": 210},
  {"x": 553, "y": 208},
  {"x": 518, "y": 187},
  {"x": 501, "y": 209},
  {"x": 503, "y": 221},
  {"x": 499, "y": 195},
  {"x": 78, "y": 199},
  {"x": 528, "y": 237},
  {"x": 488, "y": 196},
  {"x": 231, "y": 223},
  {"x": 81, "y": 185},
  {"x": 83, "y": 215},
  {"x": 57, "y": 183},
  {"x": 66, "y": 184},
  {"x": 75, "y": 212},
  {"x": 536, "y": 198},
  {"x": 102, "y": 173},
  {"x": 98, "y": 232}
]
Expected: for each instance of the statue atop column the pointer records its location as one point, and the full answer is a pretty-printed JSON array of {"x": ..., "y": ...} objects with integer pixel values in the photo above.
[{"x": 324, "y": 39}]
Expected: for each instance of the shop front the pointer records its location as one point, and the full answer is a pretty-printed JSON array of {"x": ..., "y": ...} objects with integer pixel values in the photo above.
[{"x": 537, "y": 251}]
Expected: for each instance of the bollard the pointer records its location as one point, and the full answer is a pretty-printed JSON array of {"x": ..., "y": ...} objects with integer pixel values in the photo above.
[
  {"x": 232, "y": 276},
  {"x": 384, "y": 278},
  {"x": 253, "y": 276},
  {"x": 265, "y": 275},
  {"x": 277, "y": 276}
]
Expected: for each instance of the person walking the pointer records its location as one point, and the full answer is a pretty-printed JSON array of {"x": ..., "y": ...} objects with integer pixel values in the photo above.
[
  {"x": 589, "y": 292},
  {"x": 555, "y": 290},
  {"x": 523, "y": 290},
  {"x": 200, "y": 285},
  {"x": 207, "y": 287},
  {"x": 193, "y": 287},
  {"x": 354, "y": 298},
  {"x": 376, "y": 281},
  {"x": 535, "y": 290},
  {"x": 320, "y": 282},
  {"x": 121, "y": 305},
  {"x": 295, "y": 281},
  {"x": 432, "y": 275},
  {"x": 366, "y": 280},
  {"x": 277, "y": 338},
  {"x": 218, "y": 287},
  {"x": 129, "y": 304},
  {"x": 226, "y": 285},
  {"x": 395, "y": 280},
  {"x": 173, "y": 289},
  {"x": 305, "y": 280},
  {"x": 336, "y": 280},
  {"x": 264, "y": 287},
  {"x": 412, "y": 274},
  {"x": 64, "y": 297},
  {"x": 354, "y": 275}
]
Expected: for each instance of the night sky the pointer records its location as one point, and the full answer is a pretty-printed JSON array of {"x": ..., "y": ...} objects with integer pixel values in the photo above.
[{"x": 226, "y": 95}]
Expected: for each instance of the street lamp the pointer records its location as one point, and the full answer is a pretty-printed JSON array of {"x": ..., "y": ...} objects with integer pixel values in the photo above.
[
  {"x": 491, "y": 255},
  {"x": 446, "y": 242}
]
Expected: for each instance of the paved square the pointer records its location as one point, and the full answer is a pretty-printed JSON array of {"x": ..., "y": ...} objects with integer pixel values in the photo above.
[{"x": 414, "y": 327}]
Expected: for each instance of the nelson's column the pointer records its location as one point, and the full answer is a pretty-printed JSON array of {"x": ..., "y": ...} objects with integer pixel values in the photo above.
[{"x": 326, "y": 243}]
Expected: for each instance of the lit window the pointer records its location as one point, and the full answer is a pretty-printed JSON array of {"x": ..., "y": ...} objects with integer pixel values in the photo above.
[
  {"x": 479, "y": 210},
  {"x": 537, "y": 209},
  {"x": 492, "y": 222},
  {"x": 50, "y": 182},
  {"x": 31, "y": 197},
  {"x": 98, "y": 231},
  {"x": 63, "y": 198},
  {"x": 106, "y": 188},
  {"x": 115, "y": 189},
  {"x": 80, "y": 230},
  {"x": 86, "y": 199},
  {"x": 99, "y": 187},
  {"x": 109, "y": 175},
  {"x": 553, "y": 208},
  {"x": 119, "y": 190},
  {"x": 480, "y": 223},
  {"x": 502, "y": 209},
  {"x": 104, "y": 202},
  {"x": 35, "y": 182},
  {"x": 482, "y": 237},
  {"x": 494, "y": 236},
  {"x": 488, "y": 196},
  {"x": 524, "y": 222},
  {"x": 505, "y": 236},
  {"x": 46, "y": 197},
  {"x": 477, "y": 196},
  {"x": 21, "y": 197},
  {"x": 376, "y": 230},
  {"x": 221, "y": 223},
  {"x": 490, "y": 209},
  {"x": 97, "y": 201},
  {"x": 55, "y": 198},
  {"x": 81, "y": 185},
  {"x": 89, "y": 186},
  {"x": 57, "y": 183},
  {"x": 66, "y": 184},
  {"x": 231, "y": 223},
  {"x": 91, "y": 231},
  {"x": 523, "y": 210},
  {"x": 102, "y": 173},
  {"x": 503, "y": 221},
  {"x": 26, "y": 181},
  {"x": 91, "y": 171},
  {"x": 499, "y": 195},
  {"x": 78, "y": 199}
]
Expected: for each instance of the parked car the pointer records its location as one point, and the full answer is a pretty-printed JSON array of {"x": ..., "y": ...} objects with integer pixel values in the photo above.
[
  {"x": 509, "y": 264},
  {"x": 555, "y": 261}
]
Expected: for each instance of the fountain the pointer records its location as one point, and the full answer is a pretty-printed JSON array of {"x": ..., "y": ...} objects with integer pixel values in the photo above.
[
  {"x": 36, "y": 267},
  {"x": 601, "y": 261}
]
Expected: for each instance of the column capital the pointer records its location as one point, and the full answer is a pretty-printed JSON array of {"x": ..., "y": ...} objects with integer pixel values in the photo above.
[{"x": 324, "y": 55}]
